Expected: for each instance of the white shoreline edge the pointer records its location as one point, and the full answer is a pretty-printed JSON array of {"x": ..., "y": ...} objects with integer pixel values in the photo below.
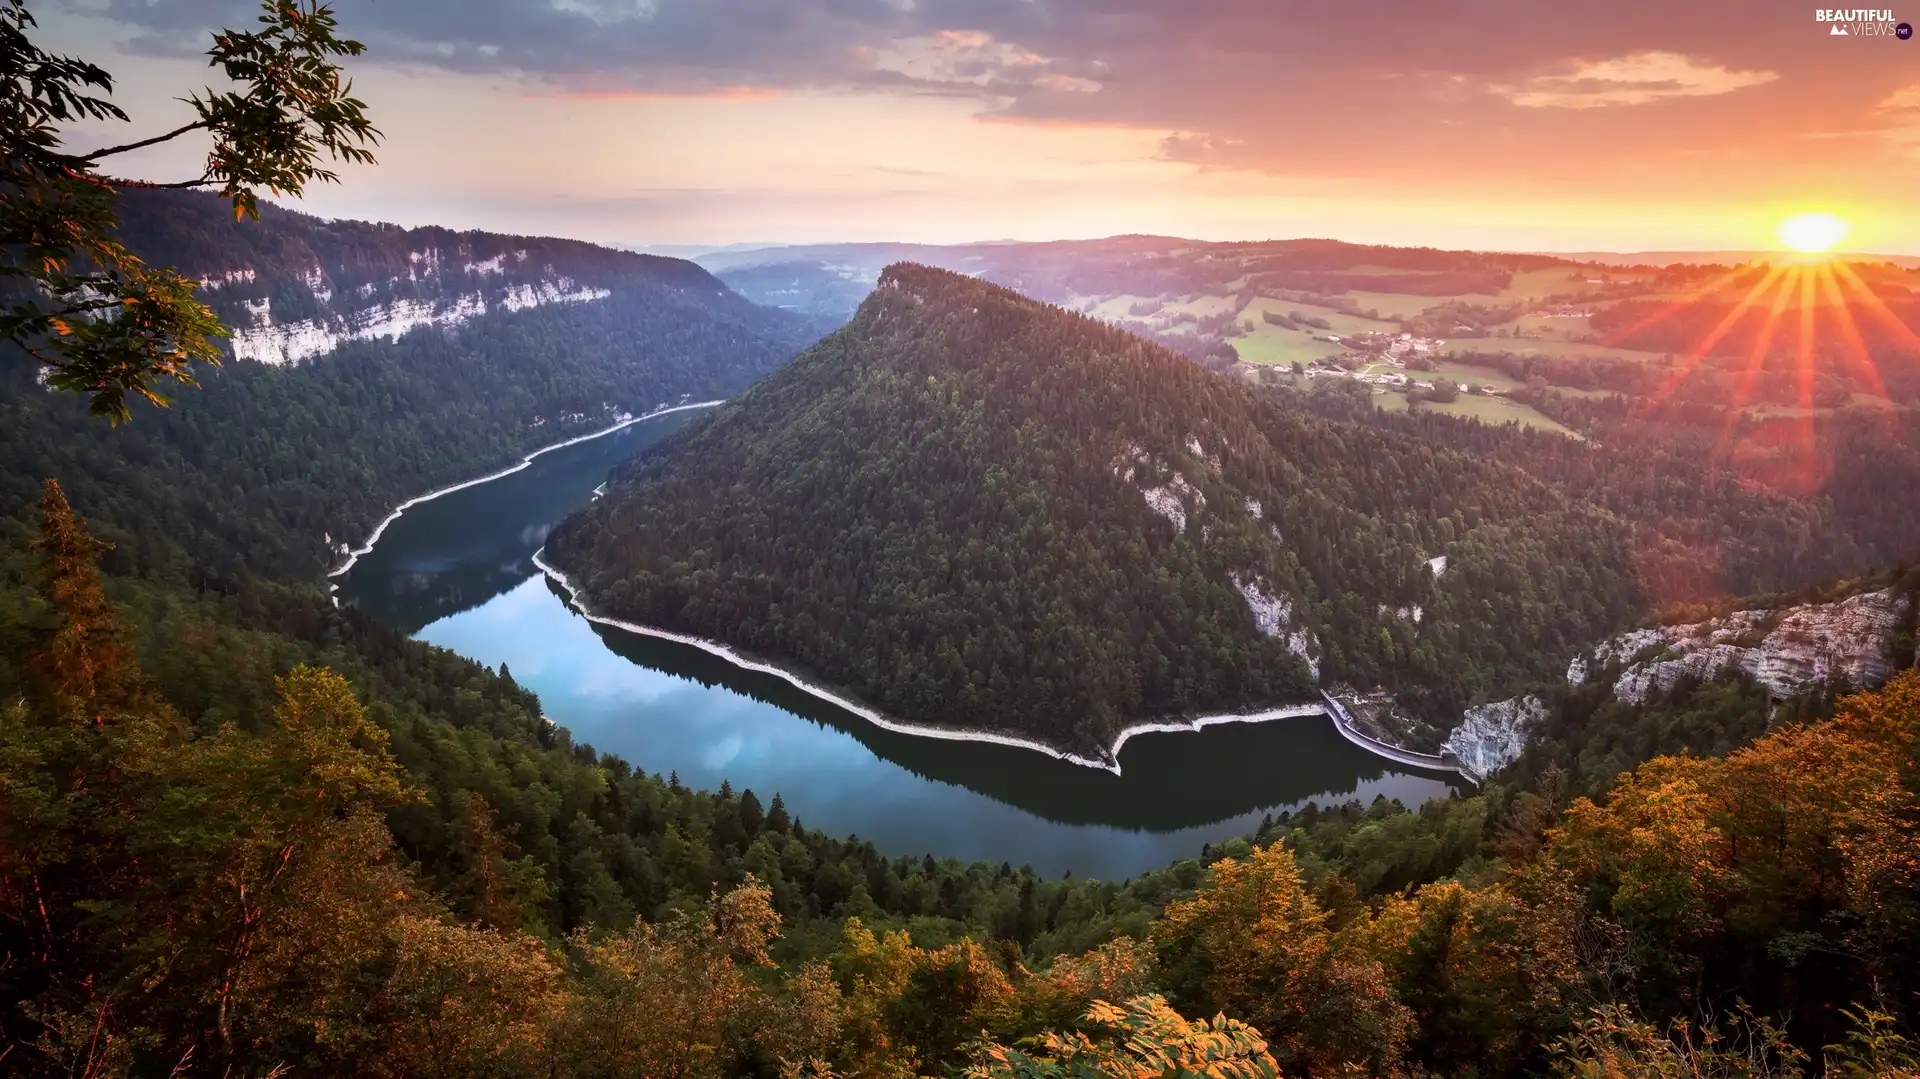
[
  {"x": 876, "y": 718},
  {"x": 886, "y": 722},
  {"x": 353, "y": 556}
]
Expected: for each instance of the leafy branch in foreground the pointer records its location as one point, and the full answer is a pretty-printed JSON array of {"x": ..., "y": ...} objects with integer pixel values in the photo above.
[
  {"x": 1155, "y": 1042},
  {"x": 101, "y": 321}
]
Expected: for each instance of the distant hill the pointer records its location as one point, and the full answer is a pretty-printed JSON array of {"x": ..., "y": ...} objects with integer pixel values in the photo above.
[
  {"x": 1718, "y": 258},
  {"x": 813, "y": 278},
  {"x": 974, "y": 510},
  {"x": 371, "y": 363}
]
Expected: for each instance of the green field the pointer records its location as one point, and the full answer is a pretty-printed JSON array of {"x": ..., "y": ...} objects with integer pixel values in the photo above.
[
  {"x": 1530, "y": 346},
  {"x": 1339, "y": 322},
  {"x": 1111, "y": 308},
  {"x": 1499, "y": 410},
  {"x": 1494, "y": 410},
  {"x": 1553, "y": 329},
  {"x": 1278, "y": 345},
  {"x": 1539, "y": 284},
  {"x": 1397, "y": 305},
  {"x": 1475, "y": 375},
  {"x": 1200, "y": 306}
]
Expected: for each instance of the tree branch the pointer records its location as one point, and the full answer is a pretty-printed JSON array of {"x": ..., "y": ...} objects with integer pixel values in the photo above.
[
  {"x": 157, "y": 139},
  {"x": 152, "y": 185}
]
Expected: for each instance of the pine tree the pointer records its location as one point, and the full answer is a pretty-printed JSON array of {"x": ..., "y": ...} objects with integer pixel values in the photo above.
[
  {"x": 777, "y": 819},
  {"x": 752, "y": 818},
  {"x": 87, "y": 663}
]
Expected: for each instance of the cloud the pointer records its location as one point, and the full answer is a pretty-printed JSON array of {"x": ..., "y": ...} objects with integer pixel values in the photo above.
[
  {"x": 1905, "y": 100},
  {"x": 1638, "y": 79},
  {"x": 1363, "y": 88},
  {"x": 1900, "y": 113},
  {"x": 970, "y": 62}
]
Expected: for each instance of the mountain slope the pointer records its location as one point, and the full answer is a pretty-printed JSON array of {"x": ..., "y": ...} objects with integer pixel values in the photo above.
[
  {"x": 977, "y": 511},
  {"x": 372, "y": 363}
]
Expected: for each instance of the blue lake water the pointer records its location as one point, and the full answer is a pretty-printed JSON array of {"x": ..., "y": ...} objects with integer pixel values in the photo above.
[{"x": 457, "y": 572}]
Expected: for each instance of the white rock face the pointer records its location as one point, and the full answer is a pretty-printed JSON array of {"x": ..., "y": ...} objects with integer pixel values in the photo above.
[
  {"x": 1253, "y": 508},
  {"x": 1787, "y": 651},
  {"x": 307, "y": 338},
  {"x": 1194, "y": 446},
  {"x": 521, "y": 297},
  {"x": 1491, "y": 736},
  {"x": 1412, "y": 612},
  {"x": 1625, "y": 646},
  {"x": 216, "y": 282},
  {"x": 1273, "y": 617},
  {"x": 1271, "y": 614},
  {"x": 1174, "y": 499},
  {"x": 317, "y": 284},
  {"x": 1163, "y": 501},
  {"x": 1437, "y": 564},
  {"x": 423, "y": 264},
  {"x": 295, "y": 342},
  {"x": 1170, "y": 500}
]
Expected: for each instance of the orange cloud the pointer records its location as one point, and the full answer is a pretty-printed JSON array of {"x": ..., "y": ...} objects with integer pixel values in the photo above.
[
  {"x": 718, "y": 93},
  {"x": 1636, "y": 79}
]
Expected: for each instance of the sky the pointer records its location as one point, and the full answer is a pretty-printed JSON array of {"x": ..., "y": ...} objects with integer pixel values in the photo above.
[{"x": 1624, "y": 126}]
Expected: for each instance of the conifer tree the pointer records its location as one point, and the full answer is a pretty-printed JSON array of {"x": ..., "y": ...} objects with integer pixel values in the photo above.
[{"x": 87, "y": 662}]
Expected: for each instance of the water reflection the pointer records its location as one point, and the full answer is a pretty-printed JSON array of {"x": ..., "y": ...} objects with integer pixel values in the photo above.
[{"x": 456, "y": 572}]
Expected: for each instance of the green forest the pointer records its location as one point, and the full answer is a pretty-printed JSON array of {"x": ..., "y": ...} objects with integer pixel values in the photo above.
[
  {"x": 267, "y": 462},
  {"x": 961, "y": 472},
  {"x": 244, "y": 832},
  {"x": 1704, "y": 528}
]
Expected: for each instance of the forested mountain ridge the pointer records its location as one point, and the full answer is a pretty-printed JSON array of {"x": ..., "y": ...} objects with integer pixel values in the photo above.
[
  {"x": 425, "y": 358},
  {"x": 292, "y": 287},
  {"x": 977, "y": 511},
  {"x": 407, "y": 867}
]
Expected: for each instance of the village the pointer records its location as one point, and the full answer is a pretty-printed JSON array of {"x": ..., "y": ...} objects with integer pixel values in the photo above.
[{"x": 1384, "y": 360}]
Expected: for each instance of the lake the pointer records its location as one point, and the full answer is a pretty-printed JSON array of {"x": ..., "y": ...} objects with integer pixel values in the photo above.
[{"x": 456, "y": 571}]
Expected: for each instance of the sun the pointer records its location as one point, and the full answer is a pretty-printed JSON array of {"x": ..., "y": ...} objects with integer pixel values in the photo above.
[{"x": 1814, "y": 232}]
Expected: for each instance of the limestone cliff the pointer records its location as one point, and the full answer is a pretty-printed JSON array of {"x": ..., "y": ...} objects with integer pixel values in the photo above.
[
  {"x": 1788, "y": 650},
  {"x": 1491, "y": 736},
  {"x": 295, "y": 288}
]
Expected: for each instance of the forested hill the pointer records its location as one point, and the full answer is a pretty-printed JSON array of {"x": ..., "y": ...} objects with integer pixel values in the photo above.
[
  {"x": 294, "y": 287},
  {"x": 978, "y": 511},
  {"x": 371, "y": 364}
]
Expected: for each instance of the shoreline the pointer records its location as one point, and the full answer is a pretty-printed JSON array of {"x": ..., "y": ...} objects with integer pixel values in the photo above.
[
  {"x": 353, "y": 555},
  {"x": 898, "y": 726},
  {"x": 1328, "y": 706}
]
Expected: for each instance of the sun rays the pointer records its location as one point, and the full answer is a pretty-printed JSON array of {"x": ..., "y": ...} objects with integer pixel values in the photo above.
[{"x": 1780, "y": 345}]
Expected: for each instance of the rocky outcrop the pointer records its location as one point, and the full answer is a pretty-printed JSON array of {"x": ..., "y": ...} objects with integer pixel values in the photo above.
[
  {"x": 268, "y": 340},
  {"x": 1787, "y": 651},
  {"x": 1491, "y": 736},
  {"x": 295, "y": 288},
  {"x": 1273, "y": 616}
]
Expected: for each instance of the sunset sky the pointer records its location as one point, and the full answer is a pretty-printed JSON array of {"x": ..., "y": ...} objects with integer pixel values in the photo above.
[{"x": 1627, "y": 125}]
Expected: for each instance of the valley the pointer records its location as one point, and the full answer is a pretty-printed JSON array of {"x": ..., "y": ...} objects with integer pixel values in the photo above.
[
  {"x": 1518, "y": 336},
  {"x": 458, "y": 572},
  {"x": 801, "y": 640}
]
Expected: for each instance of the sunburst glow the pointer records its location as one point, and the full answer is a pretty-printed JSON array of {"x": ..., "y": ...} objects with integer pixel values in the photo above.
[{"x": 1813, "y": 233}]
